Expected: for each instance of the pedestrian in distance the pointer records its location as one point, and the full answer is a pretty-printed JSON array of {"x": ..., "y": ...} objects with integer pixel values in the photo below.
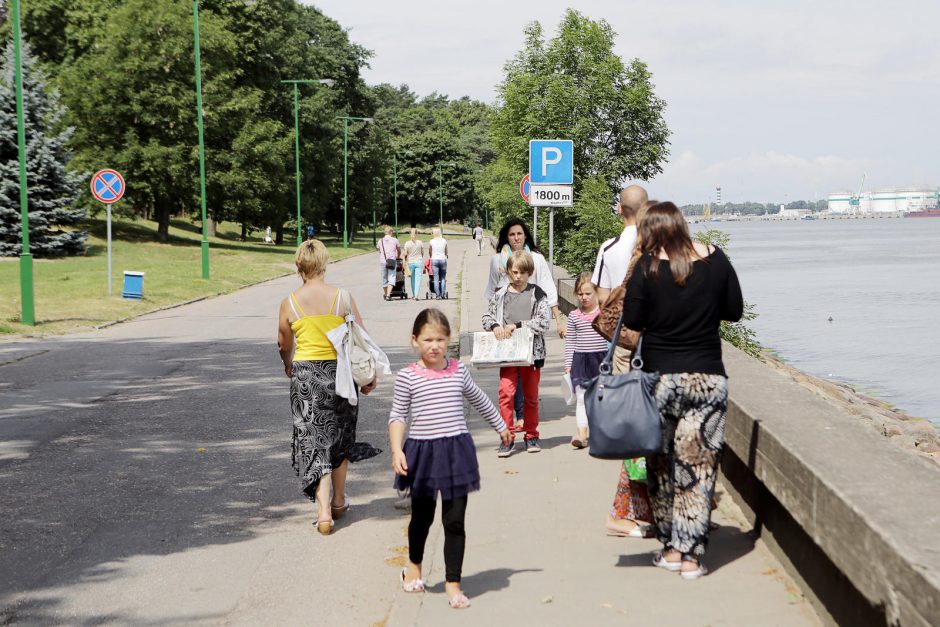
[
  {"x": 389, "y": 253},
  {"x": 585, "y": 349},
  {"x": 478, "y": 236},
  {"x": 438, "y": 253},
  {"x": 324, "y": 438},
  {"x": 677, "y": 295},
  {"x": 439, "y": 456},
  {"x": 311, "y": 232},
  {"x": 520, "y": 304},
  {"x": 414, "y": 261},
  {"x": 267, "y": 236}
]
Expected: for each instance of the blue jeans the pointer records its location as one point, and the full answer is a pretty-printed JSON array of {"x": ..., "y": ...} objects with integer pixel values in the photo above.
[
  {"x": 518, "y": 399},
  {"x": 439, "y": 268},
  {"x": 417, "y": 269}
]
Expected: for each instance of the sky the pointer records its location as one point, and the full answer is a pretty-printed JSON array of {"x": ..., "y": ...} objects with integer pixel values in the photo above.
[{"x": 773, "y": 101}]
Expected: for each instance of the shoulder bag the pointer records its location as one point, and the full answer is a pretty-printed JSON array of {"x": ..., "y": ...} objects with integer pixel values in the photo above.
[
  {"x": 390, "y": 264},
  {"x": 607, "y": 322},
  {"x": 361, "y": 360},
  {"x": 623, "y": 417}
]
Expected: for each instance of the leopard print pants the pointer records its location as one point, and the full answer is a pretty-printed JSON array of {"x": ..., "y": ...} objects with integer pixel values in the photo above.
[{"x": 682, "y": 477}]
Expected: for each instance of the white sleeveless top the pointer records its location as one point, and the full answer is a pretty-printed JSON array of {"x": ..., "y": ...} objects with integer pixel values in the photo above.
[{"x": 438, "y": 244}]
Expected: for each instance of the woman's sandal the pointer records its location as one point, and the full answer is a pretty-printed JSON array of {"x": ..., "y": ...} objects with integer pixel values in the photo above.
[
  {"x": 578, "y": 443},
  {"x": 459, "y": 601},
  {"x": 701, "y": 571},
  {"x": 660, "y": 560},
  {"x": 415, "y": 585},
  {"x": 636, "y": 532},
  {"x": 325, "y": 527},
  {"x": 339, "y": 511}
]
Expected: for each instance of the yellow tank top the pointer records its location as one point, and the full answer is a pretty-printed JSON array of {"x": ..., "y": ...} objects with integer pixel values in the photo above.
[{"x": 310, "y": 332}]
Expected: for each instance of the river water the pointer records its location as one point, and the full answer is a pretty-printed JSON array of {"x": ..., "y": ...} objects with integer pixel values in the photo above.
[{"x": 879, "y": 281}]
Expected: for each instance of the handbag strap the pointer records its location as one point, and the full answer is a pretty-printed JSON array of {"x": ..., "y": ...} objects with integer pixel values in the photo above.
[{"x": 636, "y": 362}]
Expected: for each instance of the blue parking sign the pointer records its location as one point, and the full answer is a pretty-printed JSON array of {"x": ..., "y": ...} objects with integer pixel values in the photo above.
[{"x": 551, "y": 161}]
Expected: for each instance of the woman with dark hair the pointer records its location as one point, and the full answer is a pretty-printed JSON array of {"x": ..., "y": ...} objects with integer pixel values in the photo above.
[
  {"x": 677, "y": 295},
  {"x": 515, "y": 235}
]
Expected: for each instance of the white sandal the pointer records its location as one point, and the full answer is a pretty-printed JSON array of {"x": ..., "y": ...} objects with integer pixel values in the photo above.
[{"x": 415, "y": 585}]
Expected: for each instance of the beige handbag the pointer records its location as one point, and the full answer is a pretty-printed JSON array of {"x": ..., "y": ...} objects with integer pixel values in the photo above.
[{"x": 361, "y": 361}]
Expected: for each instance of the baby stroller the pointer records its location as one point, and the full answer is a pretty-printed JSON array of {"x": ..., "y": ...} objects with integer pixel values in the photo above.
[
  {"x": 430, "y": 293},
  {"x": 398, "y": 290}
]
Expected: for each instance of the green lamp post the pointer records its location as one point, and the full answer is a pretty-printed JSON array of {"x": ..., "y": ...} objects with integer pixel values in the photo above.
[
  {"x": 202, "y": 146},
  {"x": 28, "y": 315},
  {"x": 329, "y": 82},
  {"x": 346, "y": 119},
  {"x": 440, "y": 188}
]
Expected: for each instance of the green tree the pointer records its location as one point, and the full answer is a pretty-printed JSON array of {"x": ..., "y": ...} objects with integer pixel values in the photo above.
[
  {"x": 574, "y": 86},
  {"x": 52, "y": 190}
]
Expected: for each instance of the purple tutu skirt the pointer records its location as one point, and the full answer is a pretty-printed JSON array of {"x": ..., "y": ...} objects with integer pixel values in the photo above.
[
  {"x": 442, "y": 465},
  {"x": 586, "y": 366}
]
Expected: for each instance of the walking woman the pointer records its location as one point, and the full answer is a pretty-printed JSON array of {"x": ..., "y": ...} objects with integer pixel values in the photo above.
[
  {"x": 324, "y": 441},
  {"x": 677, "y": 295},
  {"x": 438, "y": 250},
  {"x": 414, "y": 261}
]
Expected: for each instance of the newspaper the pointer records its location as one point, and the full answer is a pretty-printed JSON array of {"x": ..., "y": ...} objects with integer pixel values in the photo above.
[{"x": 488, "y": 352}]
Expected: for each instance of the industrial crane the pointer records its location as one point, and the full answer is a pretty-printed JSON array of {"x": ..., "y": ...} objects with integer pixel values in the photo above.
[{"x": 856, "y": 200}]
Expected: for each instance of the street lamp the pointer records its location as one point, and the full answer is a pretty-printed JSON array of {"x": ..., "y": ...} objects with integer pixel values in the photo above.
[
  {"x": 440, "y": 188},
  {"x": 346, "y": 119},
  {"x": 329, "y": 82},
  {"x": 27, "y": 315},
  {"x": 202, "y": 146}
]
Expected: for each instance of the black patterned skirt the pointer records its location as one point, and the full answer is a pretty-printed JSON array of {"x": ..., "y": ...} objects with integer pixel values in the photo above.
[{"x": 324, "y": 424}]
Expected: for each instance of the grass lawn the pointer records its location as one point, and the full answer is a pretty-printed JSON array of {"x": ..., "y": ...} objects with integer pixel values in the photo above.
[{"x": 71, "y": 294}]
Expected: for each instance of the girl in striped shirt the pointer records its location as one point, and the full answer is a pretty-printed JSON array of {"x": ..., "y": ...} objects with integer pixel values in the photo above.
[
  {"x": 439, "y": 455},
  {"x": 584, "y": 350}
]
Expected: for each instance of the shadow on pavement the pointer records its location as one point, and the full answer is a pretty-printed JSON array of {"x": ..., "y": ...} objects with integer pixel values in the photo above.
[{"x": 493, "y": 580}]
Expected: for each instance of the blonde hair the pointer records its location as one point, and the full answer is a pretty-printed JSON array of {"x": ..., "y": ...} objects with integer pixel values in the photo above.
[
  {"x": 414, "y": 234},
  {"x": 436, "y": 232},
  {"x": 389, "y": 230},
  {"x": 522, "y": 261},
  {"x": 311, "y": 259},
  {"x": 584, "y": 277}
]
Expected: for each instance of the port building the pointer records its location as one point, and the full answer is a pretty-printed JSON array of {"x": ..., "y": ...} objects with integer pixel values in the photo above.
[{"x": 887, "y": 200}]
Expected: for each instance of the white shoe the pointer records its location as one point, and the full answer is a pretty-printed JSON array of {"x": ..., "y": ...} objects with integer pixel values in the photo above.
[{"x": 701, "y": 571}]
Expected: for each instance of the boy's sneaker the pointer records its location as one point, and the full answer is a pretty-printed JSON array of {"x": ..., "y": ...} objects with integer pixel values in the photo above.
[
  {"x": 505, "y": 450},
  {"x": 533, "y": 445}
]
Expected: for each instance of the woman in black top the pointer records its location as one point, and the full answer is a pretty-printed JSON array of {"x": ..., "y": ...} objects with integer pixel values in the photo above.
[{"x": 677, "y": 295}]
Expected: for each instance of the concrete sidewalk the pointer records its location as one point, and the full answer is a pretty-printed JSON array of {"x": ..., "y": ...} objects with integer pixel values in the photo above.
[
  {"x": 146, "y": 479},
  {"x": 537, "y": 551}
]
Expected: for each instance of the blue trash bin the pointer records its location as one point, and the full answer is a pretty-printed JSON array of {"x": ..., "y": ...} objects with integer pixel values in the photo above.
[{"x": 133, "y": 284}]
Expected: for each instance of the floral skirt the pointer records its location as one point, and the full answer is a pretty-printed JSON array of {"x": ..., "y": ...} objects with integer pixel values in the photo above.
[{"x": 324, "y": 424}]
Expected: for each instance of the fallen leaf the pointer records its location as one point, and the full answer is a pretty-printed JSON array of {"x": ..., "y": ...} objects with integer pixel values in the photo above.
[
  {"x": 547, "y": 599},
  {"x": 201, "y": 450},
  {"x": 607, "y": 605},
  {"x": 510, "y": 472}
]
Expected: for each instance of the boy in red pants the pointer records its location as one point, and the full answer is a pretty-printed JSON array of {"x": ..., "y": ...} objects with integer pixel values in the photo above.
[{"x": 518, "y": 305}]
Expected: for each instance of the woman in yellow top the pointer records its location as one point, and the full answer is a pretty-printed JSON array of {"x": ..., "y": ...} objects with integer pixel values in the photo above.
[{"x": 324, "y": 439}]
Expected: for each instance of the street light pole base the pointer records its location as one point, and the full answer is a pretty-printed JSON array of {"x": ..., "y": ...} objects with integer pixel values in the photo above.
[
  {"x": 28, "y": 315},
  {"x": 205, "y": 259}
]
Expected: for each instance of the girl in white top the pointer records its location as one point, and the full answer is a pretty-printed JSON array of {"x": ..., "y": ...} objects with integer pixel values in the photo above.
[
  {"x": 439, "y": 456},
  {"x": 438, "y": 248}
]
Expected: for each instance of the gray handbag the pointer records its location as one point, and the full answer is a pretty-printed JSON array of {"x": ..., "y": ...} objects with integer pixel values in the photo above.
[{"x": 623, "y": 417}]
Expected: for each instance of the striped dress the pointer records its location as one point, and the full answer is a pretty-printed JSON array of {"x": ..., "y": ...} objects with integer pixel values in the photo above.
[
  {"x": 584, "y": 347},
  {"x": 439, "y": 450}
]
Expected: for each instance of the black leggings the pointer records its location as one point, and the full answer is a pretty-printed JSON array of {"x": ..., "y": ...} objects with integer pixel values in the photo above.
[{"x": 452, "y": 516}]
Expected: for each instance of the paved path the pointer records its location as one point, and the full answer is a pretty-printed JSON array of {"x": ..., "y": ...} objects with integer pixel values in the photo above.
[{"x": 145, "y": 478}]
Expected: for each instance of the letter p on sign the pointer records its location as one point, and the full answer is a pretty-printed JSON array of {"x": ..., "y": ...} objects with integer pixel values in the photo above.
[
  {"x": 547, "y": 160},
  {"x": 551, "y": 161}
]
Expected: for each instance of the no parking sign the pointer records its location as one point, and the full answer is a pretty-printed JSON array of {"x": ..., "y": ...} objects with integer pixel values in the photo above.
[{"x": 107, "y": 186}]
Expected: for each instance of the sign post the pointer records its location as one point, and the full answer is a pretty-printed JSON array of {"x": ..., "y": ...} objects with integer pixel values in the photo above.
[
  {"x": 551, "y": 172},
  {"x": 107, "y": 186}
]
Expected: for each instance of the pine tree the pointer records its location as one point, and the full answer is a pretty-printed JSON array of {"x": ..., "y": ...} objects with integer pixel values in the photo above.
[{"x": 53, "y": 190}]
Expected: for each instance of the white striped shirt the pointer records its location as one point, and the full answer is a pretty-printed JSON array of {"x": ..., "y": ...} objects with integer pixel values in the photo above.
[
  {"x": 434, "y": 400},
  {"x": 581, "y": 336}
]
